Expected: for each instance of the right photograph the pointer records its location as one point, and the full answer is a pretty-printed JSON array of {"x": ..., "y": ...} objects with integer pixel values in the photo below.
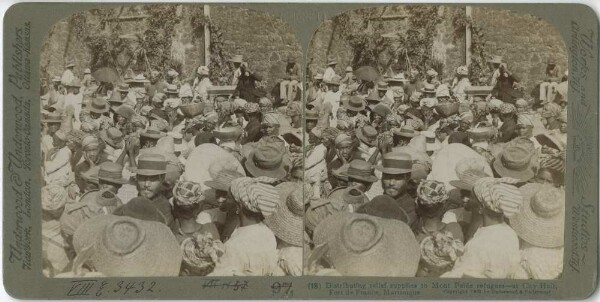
[{"x": 436, "y": 144}]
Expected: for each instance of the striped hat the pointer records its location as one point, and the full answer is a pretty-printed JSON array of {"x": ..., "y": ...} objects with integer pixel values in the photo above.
[
  {"x": 499, "y": 195},
  {"x": 254, "y": 195},
  {"x": 151, "y": 164}
]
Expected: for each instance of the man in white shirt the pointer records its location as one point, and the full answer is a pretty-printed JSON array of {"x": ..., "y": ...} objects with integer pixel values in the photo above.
[
  {"x": 330, "y": 71},
  {"x": 331, "y": 104},
  {"x": 74, "y": 98},
  {"x": 237, "y": 63},
  {"x": 68, "y": 76},
  {"x": 202, "y": 83}
]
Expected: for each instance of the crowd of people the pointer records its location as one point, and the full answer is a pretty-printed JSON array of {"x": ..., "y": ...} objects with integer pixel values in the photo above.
[
  {"x": 414, "y": 175},
  {"x": 152, "y": 174}
]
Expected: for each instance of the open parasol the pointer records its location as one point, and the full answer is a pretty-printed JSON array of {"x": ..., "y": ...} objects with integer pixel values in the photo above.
[
  {"x": 106, "y": 74},
  {"x": 367, "y": 73}
]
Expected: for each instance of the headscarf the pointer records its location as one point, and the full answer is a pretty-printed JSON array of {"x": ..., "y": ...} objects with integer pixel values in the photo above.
[
  {"x": 188, "y": 192},
  {"x": 251, "y": 107},
  {"x": 75, "y": 136},
  {"x": 431, "y": 192},
  {"x": 255, "y": 194},
  {"x": 551, "y": 110},
  {"x": 53, "y": 197},
  {"x": 499, "y": 194},
  {"x": 330, "y": 133},
  {"x": 507, "y": 108},
  {"x": 440, "y": 250}
]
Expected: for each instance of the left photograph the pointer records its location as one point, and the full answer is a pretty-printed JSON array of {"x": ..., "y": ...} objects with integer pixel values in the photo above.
[{"x": 171, "y": 143}]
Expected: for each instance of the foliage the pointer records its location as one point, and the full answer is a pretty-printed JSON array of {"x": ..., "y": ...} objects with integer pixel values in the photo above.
[
  {"x": 219, "y": 58},
  {"x": 411, "y": 47},
  {"x": 478, "y": 68}
]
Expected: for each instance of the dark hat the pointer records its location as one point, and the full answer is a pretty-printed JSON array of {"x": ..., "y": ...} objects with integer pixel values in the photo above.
[
  {"x": 111, "y": 172},
  {"x": 151, "y": 164},
  {"x": 115, "y": 97},
  {"x": 266, "y": 160},
  {"x": 141, "y": 208},
  {"x": 355, "y": 103},
  {"x": 367, "y": 134},
  {"x": 113, "y": 137},
  {"x": 354, "y": 196},
  {"x": 361, "y": 170},
  {"x": 126, "y": 112},
  {"x": 514, "y": 161},
  {"x": 99, "y": 105},
  {"x": 382, "y": 110},
  {"x": 396, "y": 163},
  {"x": 384, "y": 206}
]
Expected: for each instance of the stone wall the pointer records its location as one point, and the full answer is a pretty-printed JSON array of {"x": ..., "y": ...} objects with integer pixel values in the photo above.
[
  {"x": 525, "y": 41},
  {"x": 263, "y": 39}
]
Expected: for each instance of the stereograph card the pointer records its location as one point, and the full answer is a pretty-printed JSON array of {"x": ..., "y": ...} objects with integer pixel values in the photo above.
[{"x": 300, "y": 151}]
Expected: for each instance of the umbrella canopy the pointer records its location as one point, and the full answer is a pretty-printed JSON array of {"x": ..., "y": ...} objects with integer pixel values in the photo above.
[
  {"x": 367, "y": 73},
  {"x": 106, "y": 74},
  {"x": 207, "y": 158},
  {"x": 444, "y": 164}
]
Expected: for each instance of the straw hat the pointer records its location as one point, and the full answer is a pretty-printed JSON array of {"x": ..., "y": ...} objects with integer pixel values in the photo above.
[
  {"x": 311, "y": 115},
  {"x": 354, "y": 103},
  {"x": 128, "y": 247},
  {"x": 367, "y": 134},
  {"x": 113, "y": 137},
  {"x": 223, "y": 180},
  {"x": 364, "y": 245},
  {"x": 384, "y": 206},
  {"x": 542, "y": 217},
  {"x": 70, "y": 64},
  {"x": 56, "y": 79},
  {"x": 383, "y": 86},
  {"x": 428, "y": 88},
  {"x": 123, "y": 87},
  {"x": 53, "y": 117},
  {"x": 111, "y": 172},
  {"x": 99, "y": 105},
  {"x": 171, "y": 89},
  {"x": 398, "y": 78},
  {"x": 514, "y": 161},
  {"x": 319, "y": 76},
  {"x": 266, "y": 160},
  {"x": 237, "y": 59},
  {"x": 151, "y": 164},
  {"x": 405, "y": 131},
  {"x": 495, "y": 59},
  {"x": 395, "y": 163},
  {"x": 336, "y": 81},
  {"x": 287, "y": 223},
  {"x": 139, "y": 79},
  {"x": 331, "y": 61},
  {"x": 152, "y": 132}
]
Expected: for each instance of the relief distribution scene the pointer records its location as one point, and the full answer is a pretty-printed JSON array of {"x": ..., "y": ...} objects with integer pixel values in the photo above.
[
  {"x": 195, "y": 140},
  {"x": 436, "y": 144}
]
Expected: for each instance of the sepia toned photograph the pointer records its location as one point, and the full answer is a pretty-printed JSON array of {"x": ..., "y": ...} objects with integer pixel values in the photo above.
[
  {"x": 171, "y": 143},
  {"x": 436, "y": 144}
]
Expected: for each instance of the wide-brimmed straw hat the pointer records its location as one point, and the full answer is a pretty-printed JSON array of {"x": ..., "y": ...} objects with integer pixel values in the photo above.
[
  {"x": 69, "y": 64},
  {"x": 428, "y": 88},
  {"x": 354, "y": 103},
  {"x": 171, "y": 89},
  {"x": 395, "y": 163},
  {"x": 405, "y": 131},
  {"x": 223, "y": 180},
  {"x": 129, "y": 247},
  {"x": 287, "y": 223},
  {"x": 151, "y": 164},
  {"x": 123, "y": 87},
  {"x": 99, "y": 105},
  {"x": 266, "y": 160},
  {"x": 356, "y": 240},
  {"x": 311, "y": 115},
  {"x": 113, "y": 137},
  {"x": 399, "y": 77},
  {"x": 516, "y": 162},
  {"x": 542, "y": 217},
  {"x": 367, "y": 134},
  {"x": 331, "y": 61}
]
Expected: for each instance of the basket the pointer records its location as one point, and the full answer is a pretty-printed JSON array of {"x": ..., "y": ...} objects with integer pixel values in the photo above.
[
  {"x": 447, "y": 109},
  {"x": 482, "y": 133},
  {"x": 192, "y": 110},
  {"x": 479, "y": 90},
  {"x": 221, "y": 90}
]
